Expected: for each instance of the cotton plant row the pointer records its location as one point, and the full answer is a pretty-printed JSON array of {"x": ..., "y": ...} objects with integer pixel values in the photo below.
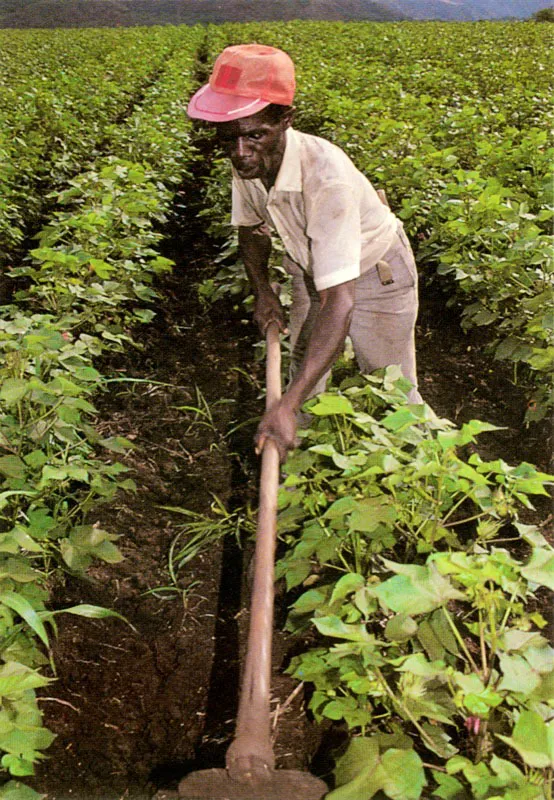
[
  {"x": 59, "y": 90},
  {"x": 417, "y": 588},
  {"x": 87, "y": 285},
  {"x": 463, "y": 154}
]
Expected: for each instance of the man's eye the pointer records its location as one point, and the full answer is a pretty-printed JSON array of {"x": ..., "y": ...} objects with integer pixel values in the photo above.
[{"x": 255, "y": 136}]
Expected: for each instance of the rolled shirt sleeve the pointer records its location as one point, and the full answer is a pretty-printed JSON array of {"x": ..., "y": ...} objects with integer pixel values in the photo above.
[
  {"x": 243, "y": 211},
  {"x": 334, "y": 230}
]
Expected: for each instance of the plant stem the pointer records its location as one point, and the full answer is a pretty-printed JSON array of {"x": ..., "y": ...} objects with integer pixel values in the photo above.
[
  {"x": 341, "y": 437},
  {"x": 461, "y": 642},
  {"x": 483, "y": 646},
  {"x": 407, "y": 712},
  {"x": 508, "y": 610},
  {"x": 481, "y": 741},
  {"x": 493, "y": 630},
  {"x": 466, "y": 519}
]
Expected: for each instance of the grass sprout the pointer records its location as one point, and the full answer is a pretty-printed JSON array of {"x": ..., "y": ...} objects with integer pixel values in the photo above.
[
  {"x": 202, "y": 411},
  {"x": 201, "y": 532}
]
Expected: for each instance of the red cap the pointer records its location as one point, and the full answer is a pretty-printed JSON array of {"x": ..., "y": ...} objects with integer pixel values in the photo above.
[{"x": 245, "y": 79}]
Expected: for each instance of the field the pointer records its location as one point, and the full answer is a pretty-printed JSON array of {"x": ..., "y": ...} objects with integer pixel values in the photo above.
[{"x": 415, "y": 553}]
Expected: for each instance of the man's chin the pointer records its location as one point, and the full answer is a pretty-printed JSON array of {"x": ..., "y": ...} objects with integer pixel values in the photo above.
[{"x": 248, "y": 173}]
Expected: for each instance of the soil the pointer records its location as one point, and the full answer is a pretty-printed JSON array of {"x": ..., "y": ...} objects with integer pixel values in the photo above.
[{"x": 135, "y": 706}]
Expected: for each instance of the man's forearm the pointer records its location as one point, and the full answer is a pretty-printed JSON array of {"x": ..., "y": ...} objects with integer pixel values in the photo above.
[
  {"x": 326, "y": 340},
  {"x": 325, "y": 344},
  {"x": 255, "y": 249}
]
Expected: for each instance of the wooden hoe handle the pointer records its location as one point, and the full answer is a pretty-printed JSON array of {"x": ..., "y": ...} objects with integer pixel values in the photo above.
[{"x": 250, "y": 756}]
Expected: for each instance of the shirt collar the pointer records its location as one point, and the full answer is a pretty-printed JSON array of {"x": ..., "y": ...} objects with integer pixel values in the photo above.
[{"x": 289, "y": 177}]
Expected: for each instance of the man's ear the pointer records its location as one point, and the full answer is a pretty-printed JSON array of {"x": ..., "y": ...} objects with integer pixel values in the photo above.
[{"x": 288, "y": 118}]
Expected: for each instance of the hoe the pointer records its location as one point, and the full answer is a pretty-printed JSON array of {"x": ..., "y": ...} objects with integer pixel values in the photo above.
[{"x": 250, "y": 772}]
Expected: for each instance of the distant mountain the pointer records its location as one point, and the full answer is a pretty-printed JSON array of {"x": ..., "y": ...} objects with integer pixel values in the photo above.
[
  {"x": 102, "y": 13},
  {"x": 87, "y": 13},
  {"x": 466, "y": 9}
]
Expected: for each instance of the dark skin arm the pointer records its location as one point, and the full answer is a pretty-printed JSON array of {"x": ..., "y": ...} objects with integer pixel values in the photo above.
[
  {"x": 255, "y": 248},
  {"x": 326, "y": 342}
]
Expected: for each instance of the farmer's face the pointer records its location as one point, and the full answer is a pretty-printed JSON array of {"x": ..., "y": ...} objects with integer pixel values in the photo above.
[{"x": 255, "y": 145}]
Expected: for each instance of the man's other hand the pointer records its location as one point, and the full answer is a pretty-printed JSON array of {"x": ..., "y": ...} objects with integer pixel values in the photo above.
[
  {"x": 268, "y": 309},
  {"x": 279, "y": 424}
]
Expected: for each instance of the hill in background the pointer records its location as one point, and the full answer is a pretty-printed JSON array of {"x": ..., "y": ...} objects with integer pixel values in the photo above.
[
  {"x": 113, "y": 13},
  {"x": 466, "y": 10},
  {"x": 77, "y": 13}
]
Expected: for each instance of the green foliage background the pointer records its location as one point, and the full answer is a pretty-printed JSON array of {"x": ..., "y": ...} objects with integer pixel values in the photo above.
[{"x": 453, "y": 121}]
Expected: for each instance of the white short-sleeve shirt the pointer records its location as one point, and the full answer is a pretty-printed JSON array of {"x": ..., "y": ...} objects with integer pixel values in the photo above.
[{"x": 328, "y": 215}]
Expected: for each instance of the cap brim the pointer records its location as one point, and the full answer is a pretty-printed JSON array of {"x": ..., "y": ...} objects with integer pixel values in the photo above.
[{"x": 217, "y": 107}]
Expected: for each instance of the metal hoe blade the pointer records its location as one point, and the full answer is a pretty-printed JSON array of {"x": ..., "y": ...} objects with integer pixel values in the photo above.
[{"x": 286, "y": 784}]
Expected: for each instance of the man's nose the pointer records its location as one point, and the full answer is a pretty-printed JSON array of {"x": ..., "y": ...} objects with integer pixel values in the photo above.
[{"x": 242, "y": 147}]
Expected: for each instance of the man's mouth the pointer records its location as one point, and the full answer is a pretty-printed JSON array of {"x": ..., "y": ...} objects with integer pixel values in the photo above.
[{"x": 245, "y": 167}]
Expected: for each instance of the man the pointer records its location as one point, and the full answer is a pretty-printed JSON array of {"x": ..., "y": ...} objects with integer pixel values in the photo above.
[{"x": 353, "y": 271}]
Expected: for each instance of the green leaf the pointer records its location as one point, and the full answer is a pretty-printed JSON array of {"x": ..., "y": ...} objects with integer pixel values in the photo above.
[
  {"x": 509, "y": 773},
  {"x": 145, "y": 315},
  {"x": 16, "y": 765},
  {"x": 40, "y": 523},
  {"x": 16, "y": 678},
  {"x": 339, "y": 508},
  {"x": 108, "y": 552},
  {"x": 540, "y": 568},
  {"x": 402, "y": 418},
  {"x": 354, "y": 769},
  {"x": 335, "y": 627},
  {"x": 438, "y": 740},
  {"x": 101, "y": 268},
  {"x": 18, "y": 569},
  {"x": 400, "y": 628},
  {"x": 21, "y": 606},
  {"x": 117, "y": 444},
  {"x": 35, "y": 459},
  {"x": 430, "y": 641},
  {"x": 517, "y": 675},
  {"x": 403, "y": 777},
  {"x": 435, "y": 634},
  {"x": 310, "y": 600},
  {"x": 297, "y": 571},
  {"x": 416, "y": 590},
  {"x": 531, "y": 534},
  {"x": 361, "y": 772},
  {"x": 50, "y": 473},
  {"x": 345, "y": 585},
  {"x": 449, "y": 788},
  {"x": 331, "y": 404},
  {"x": 371, "y": 512},
  {"x": 533, "y": 739},
  {"x": 12, "y": 467},
  {"x": 417, "y": 664},
  {"x": 92, "y": 612},
  {"x": 87, "y": 374},
  {"x": 13, "y": 389},
  {"x": 15, "y": 790}
]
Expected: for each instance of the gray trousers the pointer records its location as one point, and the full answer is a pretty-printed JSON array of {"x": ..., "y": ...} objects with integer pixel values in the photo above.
[{"x": 383, "y": 320}]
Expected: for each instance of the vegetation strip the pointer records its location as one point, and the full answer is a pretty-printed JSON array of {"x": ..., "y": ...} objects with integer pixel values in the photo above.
[{"x": 89, "y": 283}]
